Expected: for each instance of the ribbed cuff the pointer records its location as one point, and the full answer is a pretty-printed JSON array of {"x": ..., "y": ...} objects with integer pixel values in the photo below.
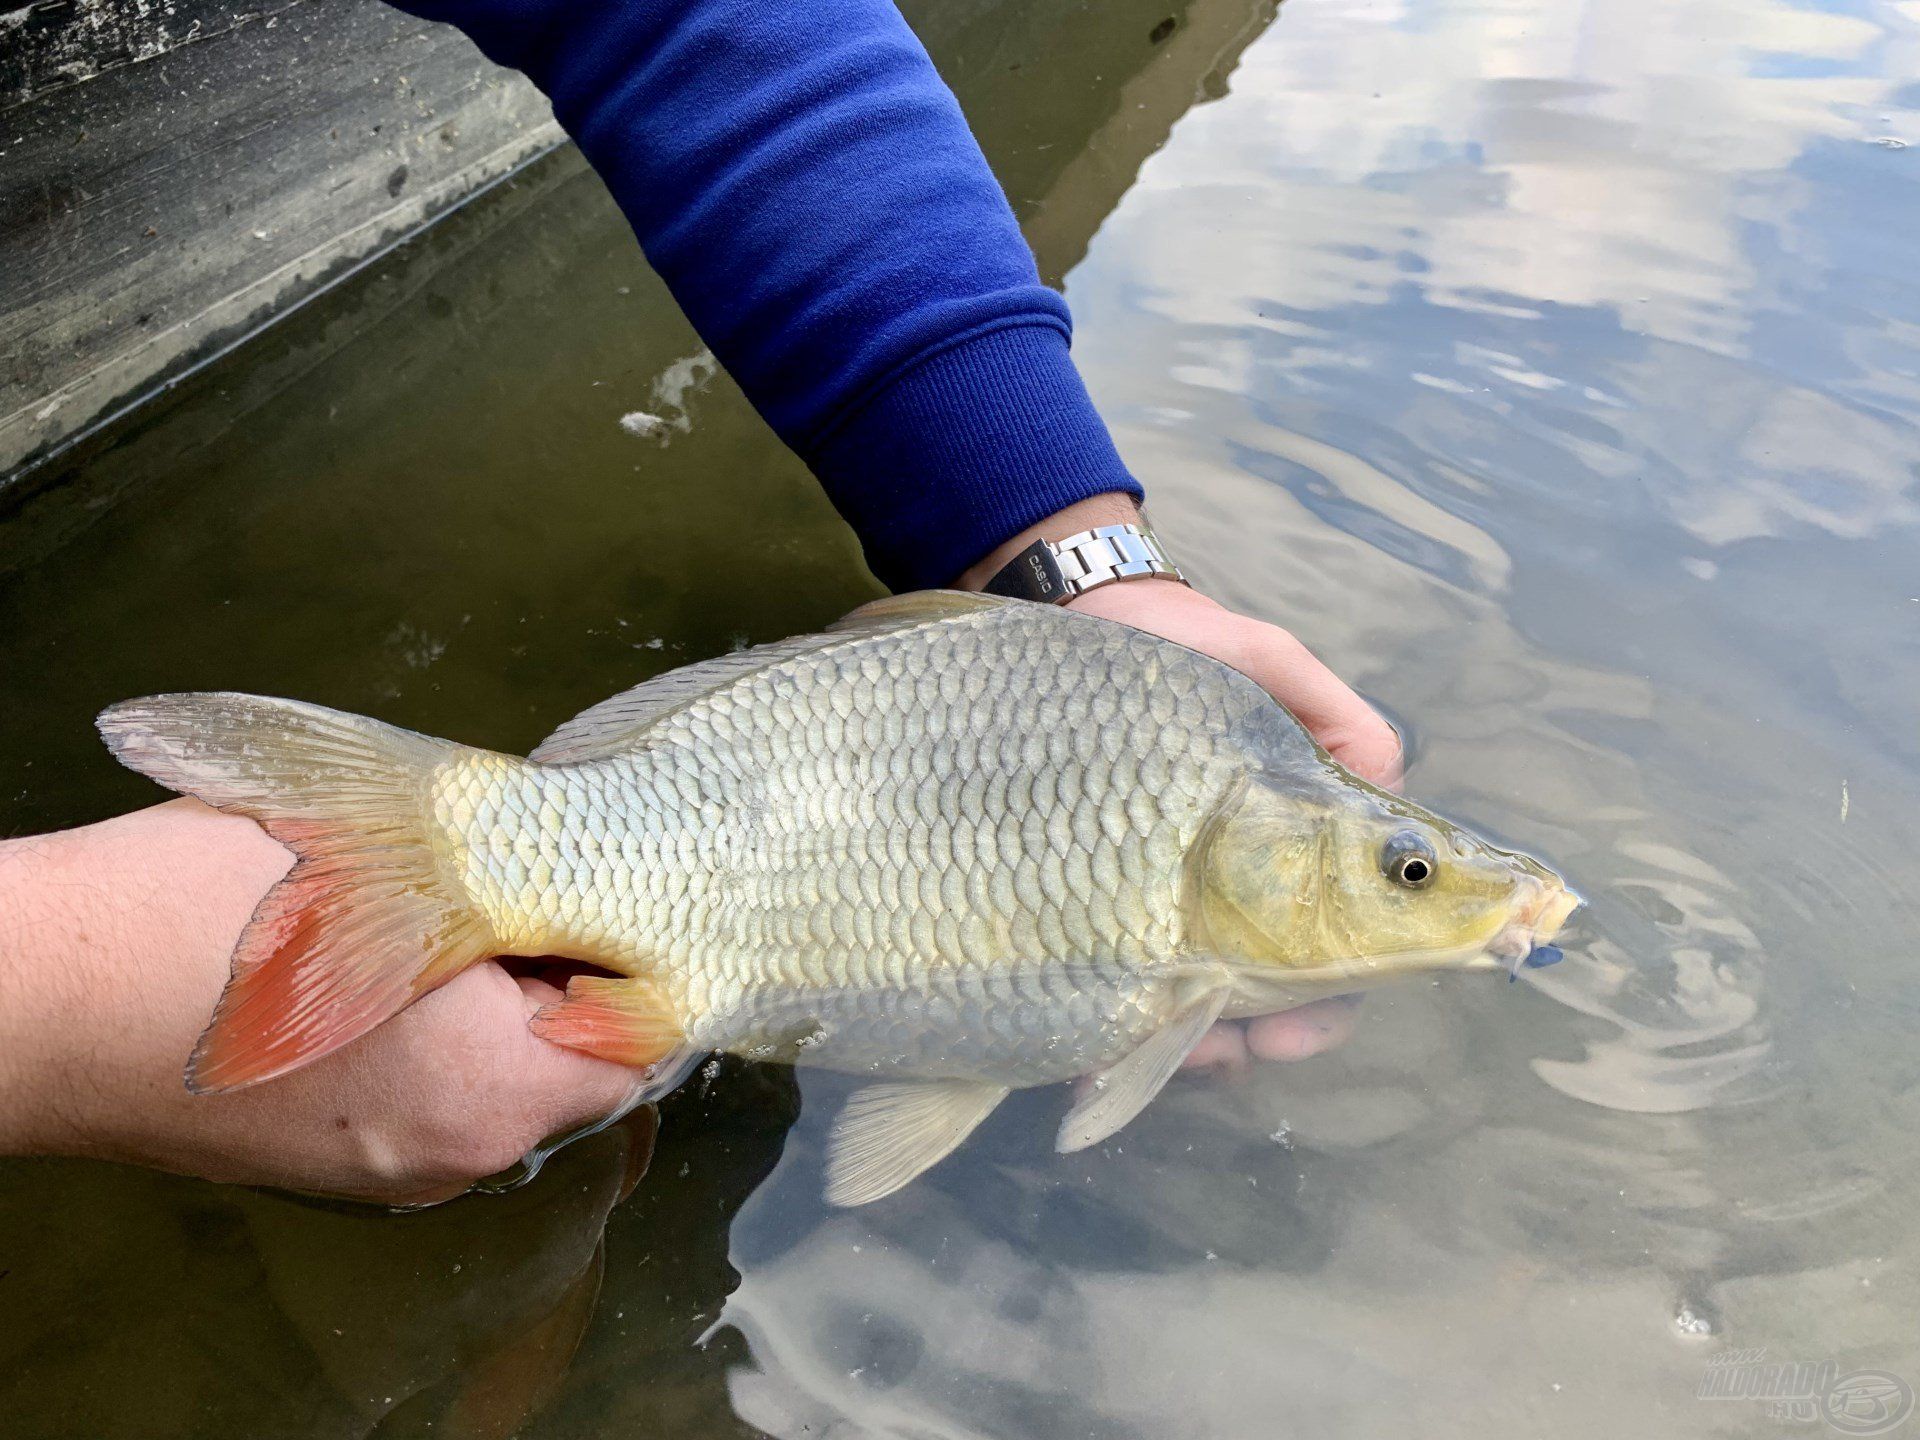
[{"x": 965, "y": 447}]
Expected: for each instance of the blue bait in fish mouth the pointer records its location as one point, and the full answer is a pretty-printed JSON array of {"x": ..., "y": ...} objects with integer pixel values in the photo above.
[{"x": 1537, "y": 958}]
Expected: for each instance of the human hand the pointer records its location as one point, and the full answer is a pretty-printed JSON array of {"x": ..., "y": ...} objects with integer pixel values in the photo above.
[
  {"x": 1350, "y": 729},
  {"x": 114, "y": 945}
]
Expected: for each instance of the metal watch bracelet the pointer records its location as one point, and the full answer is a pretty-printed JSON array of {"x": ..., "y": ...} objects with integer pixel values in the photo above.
[{"x": 1054, "y": 572}]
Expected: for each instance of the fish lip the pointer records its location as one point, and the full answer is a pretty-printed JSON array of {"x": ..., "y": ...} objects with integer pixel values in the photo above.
[
  {"x": 1539, "y": 920},
  {"x": 1553, "y": 909}
]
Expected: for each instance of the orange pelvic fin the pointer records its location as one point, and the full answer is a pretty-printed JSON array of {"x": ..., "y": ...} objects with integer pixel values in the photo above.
[
  {"x": 364, "y": 924},
  {"x": 629, "y": 1022}
]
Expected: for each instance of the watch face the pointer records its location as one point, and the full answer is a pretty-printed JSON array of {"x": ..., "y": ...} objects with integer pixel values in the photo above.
[{"x": 1033, "y": 574}]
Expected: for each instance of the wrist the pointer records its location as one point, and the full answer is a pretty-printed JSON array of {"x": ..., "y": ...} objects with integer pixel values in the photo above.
[{"x": 1113, "y": 508}]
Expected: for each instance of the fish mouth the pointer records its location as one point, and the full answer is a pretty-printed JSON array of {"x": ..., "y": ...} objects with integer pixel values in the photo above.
[{"x": 1523, "y": 943}]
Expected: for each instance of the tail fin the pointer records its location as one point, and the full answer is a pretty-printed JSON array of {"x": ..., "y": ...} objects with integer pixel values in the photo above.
[{"x": 364, "y": 924}]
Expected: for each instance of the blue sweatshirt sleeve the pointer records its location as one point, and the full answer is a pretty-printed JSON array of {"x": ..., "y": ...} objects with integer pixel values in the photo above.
[{"x": 805, "y": 183}]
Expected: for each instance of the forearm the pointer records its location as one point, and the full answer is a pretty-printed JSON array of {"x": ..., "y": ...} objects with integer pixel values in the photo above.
[
  {"x": 58, "y": 926},
  {"x": 104, "y": 973},
  {"x": 29, "y": 938},
  {"x": 807, "y": 186}
]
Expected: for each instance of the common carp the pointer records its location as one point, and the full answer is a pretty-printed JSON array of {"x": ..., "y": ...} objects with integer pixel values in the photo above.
[{"x": 954, "y": 843}]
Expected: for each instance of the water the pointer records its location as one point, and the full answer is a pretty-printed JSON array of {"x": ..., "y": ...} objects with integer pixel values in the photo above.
[{"x": 1553, "y": 369}]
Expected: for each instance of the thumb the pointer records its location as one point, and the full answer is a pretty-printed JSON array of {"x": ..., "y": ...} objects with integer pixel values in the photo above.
[{"x": 567, "y": 1089}]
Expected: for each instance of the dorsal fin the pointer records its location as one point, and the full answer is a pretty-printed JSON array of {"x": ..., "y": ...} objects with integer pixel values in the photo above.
[{"x": 614, "y": 723}]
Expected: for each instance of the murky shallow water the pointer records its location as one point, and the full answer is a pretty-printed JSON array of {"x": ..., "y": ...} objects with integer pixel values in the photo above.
[{"x": 1554, "y": 369}]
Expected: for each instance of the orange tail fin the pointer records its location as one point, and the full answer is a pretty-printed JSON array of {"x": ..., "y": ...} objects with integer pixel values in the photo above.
[{"x": 364, "y": 924}]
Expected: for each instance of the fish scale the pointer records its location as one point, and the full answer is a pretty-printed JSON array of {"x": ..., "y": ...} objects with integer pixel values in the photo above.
[{"x": 830, "y": 845}]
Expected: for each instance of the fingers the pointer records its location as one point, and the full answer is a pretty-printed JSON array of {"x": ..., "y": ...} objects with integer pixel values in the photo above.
[
  {"x": 1291, "y": 1035},
  {"x": 1297, "y": 1034},
  {"x": 1224, "y": 1047}
]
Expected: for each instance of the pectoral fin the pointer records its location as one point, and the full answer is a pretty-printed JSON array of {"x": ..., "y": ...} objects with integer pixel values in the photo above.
[
  {"x": 889, "y": 1134},
  {"x": 1124, "y": 1090}
]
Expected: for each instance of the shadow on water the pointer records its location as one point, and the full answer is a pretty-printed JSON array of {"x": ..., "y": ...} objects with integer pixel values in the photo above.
[{"x": 1551, "y": 369}]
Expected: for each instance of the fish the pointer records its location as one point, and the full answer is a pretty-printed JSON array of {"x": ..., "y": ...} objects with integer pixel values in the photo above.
[{"x": 954, "y": 844}]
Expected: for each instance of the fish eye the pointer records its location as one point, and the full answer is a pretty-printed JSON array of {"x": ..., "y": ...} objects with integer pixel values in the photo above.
[{"x": 1409, "y": 860}]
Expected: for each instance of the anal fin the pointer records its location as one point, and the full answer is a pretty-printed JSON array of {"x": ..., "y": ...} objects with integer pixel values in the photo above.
[
  {"x": 630, "y": 1022},
  {"x": 890, "y": 1133},
  {"x": 1127, "y": 1087}
]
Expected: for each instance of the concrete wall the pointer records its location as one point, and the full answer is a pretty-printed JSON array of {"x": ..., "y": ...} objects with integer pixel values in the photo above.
[{"x": 175, "y": 173}]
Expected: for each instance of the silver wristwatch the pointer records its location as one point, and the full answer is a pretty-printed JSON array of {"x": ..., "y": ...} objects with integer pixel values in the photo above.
[{"x": 1054, "y": 571}]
